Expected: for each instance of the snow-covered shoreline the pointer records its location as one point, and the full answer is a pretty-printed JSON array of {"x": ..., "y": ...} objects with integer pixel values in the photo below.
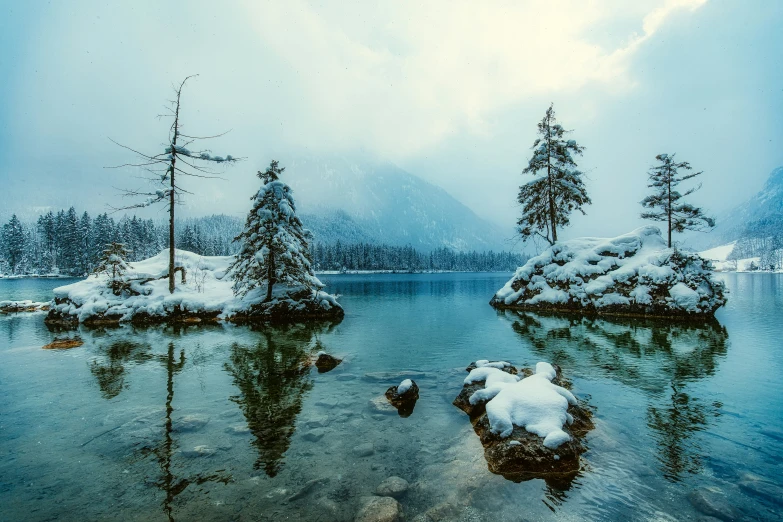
[
  {"x": 634, "y": 274},
  {"x": 206, "y": 295}
]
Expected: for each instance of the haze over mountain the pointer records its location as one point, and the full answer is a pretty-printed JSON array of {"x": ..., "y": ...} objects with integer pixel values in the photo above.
[
  {"x": 732, "y": 225},
  {"x": 381, "y": 203}
]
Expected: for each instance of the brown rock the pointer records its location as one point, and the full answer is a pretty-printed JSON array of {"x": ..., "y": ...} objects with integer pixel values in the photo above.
[
  {"x": 326, "y": 363},
  {"x": 63, "y": 344}
]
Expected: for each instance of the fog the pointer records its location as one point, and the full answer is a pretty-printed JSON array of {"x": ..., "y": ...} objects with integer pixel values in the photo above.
[{"x": 449, "y": 91}]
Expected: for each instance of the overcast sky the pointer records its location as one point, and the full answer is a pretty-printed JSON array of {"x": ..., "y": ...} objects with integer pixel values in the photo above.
[{"x": 450, "y": 91}]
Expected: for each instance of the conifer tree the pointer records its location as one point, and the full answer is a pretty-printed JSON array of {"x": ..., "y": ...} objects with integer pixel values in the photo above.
[
  {"x": 274, "y": 244},
  {"x": 666, "y": 202},
  {"x": 548, "y": 201},
  {"x": 14, "y": 243},
  {"x": 113, "y": 263}
]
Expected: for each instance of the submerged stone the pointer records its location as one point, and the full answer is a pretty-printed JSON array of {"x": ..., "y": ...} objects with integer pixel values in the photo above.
[
  {"x": 392, "y": 487},
  {"x": 379, "y": 509},
  {"x": 713, "y": 502}
]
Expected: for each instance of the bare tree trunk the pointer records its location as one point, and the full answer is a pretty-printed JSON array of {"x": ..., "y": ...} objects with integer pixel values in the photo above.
[
  {"x": 171, "y": 195},
  {"x": 669, "y": 207},
  {"x": 549, "y": 182},
  {"x": 270, "y": 276}
]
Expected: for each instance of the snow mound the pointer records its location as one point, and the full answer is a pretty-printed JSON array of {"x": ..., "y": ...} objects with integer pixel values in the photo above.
[
  {"x": 633, "y": 274},
  {"x": 205, "y": 295},
  {"x": 533, "y": 403}
]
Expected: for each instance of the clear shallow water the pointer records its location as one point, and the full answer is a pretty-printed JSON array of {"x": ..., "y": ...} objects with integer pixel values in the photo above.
[{"x": 225, "y": 423}]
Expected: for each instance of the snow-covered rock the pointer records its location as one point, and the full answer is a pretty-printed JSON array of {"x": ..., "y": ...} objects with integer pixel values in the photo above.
[
  {"x": 633, "y": 274},
  {"x": 12, "y": 307},
  {"x": 404, "y": 397},
  {"x": 528, "y": 423},
  {"x": 205, "y": 295}
]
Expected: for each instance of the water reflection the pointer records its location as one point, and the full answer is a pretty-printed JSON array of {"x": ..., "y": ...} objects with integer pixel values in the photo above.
[
  {"x": 657, "y": 357},
  {"x": 110, "y": 371},
  {"x": 272, "y": 377}
]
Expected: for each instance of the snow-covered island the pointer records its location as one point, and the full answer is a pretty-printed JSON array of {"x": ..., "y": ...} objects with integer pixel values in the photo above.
[
  {"x": 633, "y": 274},
  {"x": 206, "y": 294},
  {"x": 270, "y": 279},
  {"x": 530, "y": 425}
]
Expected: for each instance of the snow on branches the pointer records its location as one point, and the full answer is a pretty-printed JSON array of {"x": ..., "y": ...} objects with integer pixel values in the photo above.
[
  {"x": 665, "y": 203},
  {"x": 548, "y": 201},
  {"x": 274, "y": 244}
]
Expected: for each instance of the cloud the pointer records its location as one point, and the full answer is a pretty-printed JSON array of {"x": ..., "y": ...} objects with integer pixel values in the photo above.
[{"x": 399, "y": 77}]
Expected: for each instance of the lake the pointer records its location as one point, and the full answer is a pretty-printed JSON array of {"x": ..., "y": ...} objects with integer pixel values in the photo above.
[{"x": 229, "y": 423}]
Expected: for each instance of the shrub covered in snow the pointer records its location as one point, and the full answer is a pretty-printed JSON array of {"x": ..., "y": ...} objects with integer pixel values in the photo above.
[{"x": 631, "y": 274}]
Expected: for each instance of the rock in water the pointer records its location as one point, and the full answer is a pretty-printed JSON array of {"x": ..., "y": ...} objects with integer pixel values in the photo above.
[
  {"x": 403, "y": 397},
  {"x": 712, "y": 502},
  {"x": 392, "y": 487},
  {"x": 326, "y": 363},
  {"x": 380, "y": 509},
  {"x": 511, "y": 450}
]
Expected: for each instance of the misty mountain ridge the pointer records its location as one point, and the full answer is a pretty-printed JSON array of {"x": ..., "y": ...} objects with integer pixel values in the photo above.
[
  {"x": 381, "y": 203},
  {"x": 764, "y": 205}
]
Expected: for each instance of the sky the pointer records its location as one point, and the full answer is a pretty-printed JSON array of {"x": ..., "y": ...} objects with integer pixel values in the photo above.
[{"x": 450, "y": 91}]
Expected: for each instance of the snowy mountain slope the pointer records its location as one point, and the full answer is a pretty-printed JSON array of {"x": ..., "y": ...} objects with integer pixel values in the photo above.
[
  {"x": 731, "y": 225},
  {"x": 382, "y": 203}
]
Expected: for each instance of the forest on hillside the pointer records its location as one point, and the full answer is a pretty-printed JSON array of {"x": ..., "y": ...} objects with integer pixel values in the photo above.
[{"x": 69, "y": 243}]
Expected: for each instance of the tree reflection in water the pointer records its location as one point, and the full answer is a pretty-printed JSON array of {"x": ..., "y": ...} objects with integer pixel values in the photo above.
[
  {"x": 272, "y": 377},
  {"x": 658, "y": 357},
  {"x": 111, "y": 373}
]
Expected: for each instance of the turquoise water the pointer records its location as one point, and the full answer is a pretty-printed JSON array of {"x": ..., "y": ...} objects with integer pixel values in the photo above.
[{"x": 228, "y": 423}]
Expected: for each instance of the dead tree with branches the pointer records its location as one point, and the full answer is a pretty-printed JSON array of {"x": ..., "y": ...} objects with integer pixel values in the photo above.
[{"x": 166, "y": 167}]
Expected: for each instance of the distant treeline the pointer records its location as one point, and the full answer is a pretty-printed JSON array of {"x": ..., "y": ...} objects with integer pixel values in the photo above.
[
  {"x": 70, "y": 243},
  {"x": 364, "y": 256},
  {"x": 763, "y": 239}
]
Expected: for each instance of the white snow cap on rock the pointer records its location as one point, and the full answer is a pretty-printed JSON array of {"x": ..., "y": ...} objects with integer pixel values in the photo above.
[
  {"x": 532, "y": 403},
  {"x": 404, "y": 386}
]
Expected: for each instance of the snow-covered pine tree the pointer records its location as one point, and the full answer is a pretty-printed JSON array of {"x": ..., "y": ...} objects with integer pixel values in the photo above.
[
  {"x": 113, "y": 263},
  {"x": 666, "y": 202},
  {"x": 548, "y": 201},
  {"x": 175, "y": 160},
  {"x": 13, "y": 243},
  {"x": 274, "y": 244}
]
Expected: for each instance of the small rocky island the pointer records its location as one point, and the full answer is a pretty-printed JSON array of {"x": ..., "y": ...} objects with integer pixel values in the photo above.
[
  {"x": 634, "y": 274},
  {"x": 270, "y": 279},
  {"x": 204, "y": 295},
  {"x": 530, "y": 425}
]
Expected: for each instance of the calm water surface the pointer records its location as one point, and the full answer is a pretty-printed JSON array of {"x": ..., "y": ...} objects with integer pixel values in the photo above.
[{"x": 228, "y": 423}]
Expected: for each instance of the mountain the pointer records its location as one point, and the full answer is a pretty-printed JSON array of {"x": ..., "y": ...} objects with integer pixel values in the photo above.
[
  {"x": 381, "y": 203},
  {"x": 765, "y": 206}
]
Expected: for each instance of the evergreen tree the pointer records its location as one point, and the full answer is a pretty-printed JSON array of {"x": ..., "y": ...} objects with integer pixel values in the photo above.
[
  {"x": 274, "y": 243},
  {"x": 47, "y": 233},
  {"x": 113, "y": 263},
  {"x": 14, "y": 243},
  {"x": 548, "y": 201},
  {"x": 666, "y": 202},
  {"x": 85, "y": 245}
]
